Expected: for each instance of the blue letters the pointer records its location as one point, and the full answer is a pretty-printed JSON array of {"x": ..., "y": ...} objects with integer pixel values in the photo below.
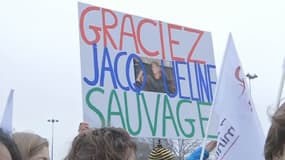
[
  {"x": 179, "y": 77},
  {"x": 135, "y": 88},
  {"x": 95, "y": 68},
  {"x": 203, "y": 81},
  {"x": 106, "y": 57},
  {"x": 199, "y": 76},
  {"x": 209, "y": 66},
  {"x": 126, "y": 88},
  {"x": 191, "y": 85}
]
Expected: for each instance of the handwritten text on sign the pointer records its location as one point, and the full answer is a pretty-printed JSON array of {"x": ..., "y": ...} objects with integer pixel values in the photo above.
[{"x": 153, "y": 78}]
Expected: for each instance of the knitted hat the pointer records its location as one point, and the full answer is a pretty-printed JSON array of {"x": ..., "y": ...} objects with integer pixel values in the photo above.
[{"x": 160, "y": 153}]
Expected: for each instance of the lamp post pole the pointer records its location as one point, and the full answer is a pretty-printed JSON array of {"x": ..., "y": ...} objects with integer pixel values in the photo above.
[
  {"x": 52, "y": 121},
  {"x": 250, "y": 77}
]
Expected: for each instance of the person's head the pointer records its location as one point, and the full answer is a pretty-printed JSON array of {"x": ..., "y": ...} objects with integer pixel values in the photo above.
[
  {"x": 31, "y": 146},
  {"x": 160, "y": 153},
  {"x": 155, "y": 67},
  {"x": 274, "y": 144},
  {"x": 83, "y": 127},
  {"x": 8, "y": 148},
  {"x": 103, "y": 144}
]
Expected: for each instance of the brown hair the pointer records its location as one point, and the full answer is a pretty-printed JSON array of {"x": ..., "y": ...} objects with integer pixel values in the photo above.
[
  {"x": 29, "y": 144},
  {"x": 103, "y": 144},
  {"x": 275, "y": 140}
]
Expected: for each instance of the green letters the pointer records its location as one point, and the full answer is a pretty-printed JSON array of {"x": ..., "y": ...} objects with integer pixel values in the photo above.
[
  {"x": 190, "y": 121},
  {"x": 153, "y": 127},
  {"x": 113, "y": 113},
  {"x": 201, "y": 119},
  {"x": 131, "y": 131},
  {"x": 92, "y": 107},
  {"x": 166, "y": 106},
  {"x": 148, "y": 113}
]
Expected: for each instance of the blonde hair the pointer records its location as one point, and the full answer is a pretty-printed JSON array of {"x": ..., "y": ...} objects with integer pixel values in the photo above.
[{"x": 29, "y": 144}]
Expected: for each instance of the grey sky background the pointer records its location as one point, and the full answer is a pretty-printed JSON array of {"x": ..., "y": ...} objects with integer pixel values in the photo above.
[{"x": 40, "y": 59}]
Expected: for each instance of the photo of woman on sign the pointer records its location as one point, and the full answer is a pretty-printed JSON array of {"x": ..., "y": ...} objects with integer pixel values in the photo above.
[{"x": 154, "y": 77}]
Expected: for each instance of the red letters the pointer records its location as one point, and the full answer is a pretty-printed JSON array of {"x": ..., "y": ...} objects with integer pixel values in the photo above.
[
  {"x": 94, "y": 28},
  {"x": 146, "y": 51},
  {"x": 114, "y": 29},
  {"x": 131, "y": 34},
  {"x": 106, "y": 33},
  {"x": 191, "y": 52},
  {"x": 171, "y": 41},
  {"x": 161, "y": 40}
]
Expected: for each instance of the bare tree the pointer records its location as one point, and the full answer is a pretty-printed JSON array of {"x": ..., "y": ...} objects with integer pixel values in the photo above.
[
  {"x": 144, "y": 147},
  {"x": 179, "y": 147},
  {"x": 182, "y": 147}
]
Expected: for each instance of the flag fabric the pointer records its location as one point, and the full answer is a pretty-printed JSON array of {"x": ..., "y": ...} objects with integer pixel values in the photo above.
[
  {"x": 6, "y": 123},
  {"x": 240, "y": 136}
]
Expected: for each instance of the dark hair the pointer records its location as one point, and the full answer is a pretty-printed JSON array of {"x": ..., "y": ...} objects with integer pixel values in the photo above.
[
  {"x": 275, "y": 140},
  {"x": 10, "y": 145},
  {"x": 102, "y": 144}
]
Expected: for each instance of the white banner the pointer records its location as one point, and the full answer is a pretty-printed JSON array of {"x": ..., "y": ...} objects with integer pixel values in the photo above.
[{"x": 240, "y": 135}]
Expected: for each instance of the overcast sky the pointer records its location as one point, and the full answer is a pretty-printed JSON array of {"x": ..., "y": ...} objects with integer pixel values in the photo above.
[{"x": 40, "y": 58}]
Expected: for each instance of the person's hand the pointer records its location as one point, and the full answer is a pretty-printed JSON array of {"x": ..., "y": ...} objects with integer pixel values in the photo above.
[
  {"x": 211, "y": 145},
  {"x": 83, "y": 127},
  {"x": 139, "y": 78}
]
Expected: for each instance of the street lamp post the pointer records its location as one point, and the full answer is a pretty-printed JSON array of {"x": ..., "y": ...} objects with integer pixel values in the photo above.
[
  {"x": 52, "y": 121},
  {"x": 250, "y": 77}
]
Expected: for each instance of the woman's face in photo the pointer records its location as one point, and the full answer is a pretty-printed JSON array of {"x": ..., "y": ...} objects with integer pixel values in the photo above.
[{"x": 155, "y": 69}]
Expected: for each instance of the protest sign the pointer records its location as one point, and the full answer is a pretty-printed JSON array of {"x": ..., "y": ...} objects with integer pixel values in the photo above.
[{"x": 152, "y": 78}]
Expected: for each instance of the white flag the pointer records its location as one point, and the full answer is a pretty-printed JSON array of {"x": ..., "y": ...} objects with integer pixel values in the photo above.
[
  {"x": 240, "y": 136},
  {"x": 6, "y": 123}
]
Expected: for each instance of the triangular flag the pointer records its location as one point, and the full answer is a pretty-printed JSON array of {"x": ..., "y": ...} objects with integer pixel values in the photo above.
[
  {"x": 240, "y": 136},
  {"x": 6, "y": 123}
]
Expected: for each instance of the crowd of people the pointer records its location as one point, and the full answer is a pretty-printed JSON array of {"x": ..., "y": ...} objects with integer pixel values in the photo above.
[{"x": 111, "y": 143}]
